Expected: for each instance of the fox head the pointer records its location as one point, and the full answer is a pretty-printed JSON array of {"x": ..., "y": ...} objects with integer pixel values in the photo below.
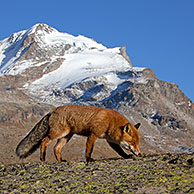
[{"x": 130, "y": 138}]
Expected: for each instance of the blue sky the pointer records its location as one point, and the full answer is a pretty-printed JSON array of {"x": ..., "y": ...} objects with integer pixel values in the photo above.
[{"x": 158, "y": 34}]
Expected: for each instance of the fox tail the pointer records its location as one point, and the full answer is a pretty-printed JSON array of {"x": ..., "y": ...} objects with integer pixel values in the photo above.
[{"x": 32, "y": 141}]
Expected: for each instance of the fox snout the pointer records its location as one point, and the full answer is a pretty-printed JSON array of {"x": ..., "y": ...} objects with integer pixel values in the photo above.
[
  {"x": 131, "y": 148},
  {"x": 136, "y": 151}
]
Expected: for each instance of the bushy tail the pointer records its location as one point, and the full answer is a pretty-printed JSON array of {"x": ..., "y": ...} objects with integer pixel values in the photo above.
[{"x": 33, "y": 140}]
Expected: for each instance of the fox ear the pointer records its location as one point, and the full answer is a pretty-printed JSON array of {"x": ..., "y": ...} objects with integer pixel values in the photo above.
[
  {"x": 127, "y": 128},
  {"x": 137, "y": 125}
]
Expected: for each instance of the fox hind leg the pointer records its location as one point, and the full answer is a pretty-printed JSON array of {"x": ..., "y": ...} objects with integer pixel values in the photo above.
[
  {"x": 59, "y": 145},
  {"x": 44, "y": 144}
]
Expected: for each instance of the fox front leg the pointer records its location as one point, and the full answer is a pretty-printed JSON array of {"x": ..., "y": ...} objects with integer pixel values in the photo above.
[{"x": 89, "y": 147}]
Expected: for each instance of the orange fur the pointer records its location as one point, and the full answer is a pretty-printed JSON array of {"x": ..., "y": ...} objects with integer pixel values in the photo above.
[{"x": 93, "y": 122}]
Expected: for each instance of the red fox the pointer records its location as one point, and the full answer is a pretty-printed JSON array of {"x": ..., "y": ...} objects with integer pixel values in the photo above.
[{"x": 94, "y": 122}]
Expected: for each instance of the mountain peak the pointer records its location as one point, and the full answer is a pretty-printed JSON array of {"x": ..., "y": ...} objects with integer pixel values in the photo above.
[
  {"x": 40, "y": 28},
  {"x": 43, "y": 45}
]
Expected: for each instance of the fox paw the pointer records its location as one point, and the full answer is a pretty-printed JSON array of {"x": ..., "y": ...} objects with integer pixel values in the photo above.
[
  {"x": 63, "y": 160},
  {"x": 89, "y": 160},
  {"x": 42, "y": 159}
]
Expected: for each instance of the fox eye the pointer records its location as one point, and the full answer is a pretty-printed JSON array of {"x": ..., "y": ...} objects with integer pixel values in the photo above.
[{"x": 133, "y": 143}]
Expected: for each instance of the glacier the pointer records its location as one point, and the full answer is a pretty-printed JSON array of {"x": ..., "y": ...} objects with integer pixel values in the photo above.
[{"x": 81, "y": 59}]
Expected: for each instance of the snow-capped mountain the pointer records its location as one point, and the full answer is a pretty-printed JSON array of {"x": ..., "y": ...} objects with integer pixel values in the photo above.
[
  {"x": 41, "y": 65},
  {"x": 64, "y": 60},
  {"x": 18, "y": 52}
]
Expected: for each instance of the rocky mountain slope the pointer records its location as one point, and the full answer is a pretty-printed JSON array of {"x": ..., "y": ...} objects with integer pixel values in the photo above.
[{"x": 41, "y": 67}]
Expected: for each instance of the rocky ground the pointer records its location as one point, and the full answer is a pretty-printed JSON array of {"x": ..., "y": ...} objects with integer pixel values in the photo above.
[{"x": 158, "y": 173}]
